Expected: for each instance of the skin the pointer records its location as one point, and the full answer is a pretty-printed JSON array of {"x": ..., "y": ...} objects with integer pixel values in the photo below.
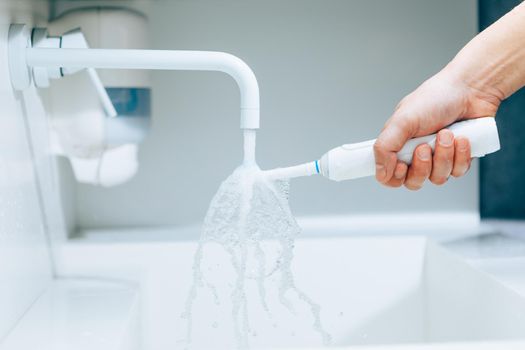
[{"x": 490, "y": 68}]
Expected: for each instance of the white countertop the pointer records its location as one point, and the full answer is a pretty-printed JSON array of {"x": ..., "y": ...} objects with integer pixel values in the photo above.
[{"x": 79, "y": 314}]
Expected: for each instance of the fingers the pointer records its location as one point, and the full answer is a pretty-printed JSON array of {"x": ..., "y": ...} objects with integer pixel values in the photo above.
[
  {"x": 443, "y": 159},
  {"x": 390, "y": 141},
  {"x": 462, "y": 157},
  {"x": 451, "y": 157},
  {"x": 420, "y": 169},
  {"x": 400, "y": 173}
]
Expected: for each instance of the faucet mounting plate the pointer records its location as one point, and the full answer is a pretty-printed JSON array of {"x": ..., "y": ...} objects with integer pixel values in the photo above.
[{"x": 18, "y": 41}]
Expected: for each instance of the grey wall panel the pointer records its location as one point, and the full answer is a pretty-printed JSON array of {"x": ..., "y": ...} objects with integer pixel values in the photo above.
[{"x": 330, "y": 72}]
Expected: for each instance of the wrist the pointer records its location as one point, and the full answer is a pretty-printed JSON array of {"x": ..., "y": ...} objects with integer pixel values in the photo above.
[
  {"x": 482, "y": 94},
  {"x": 492, "y": 63}
]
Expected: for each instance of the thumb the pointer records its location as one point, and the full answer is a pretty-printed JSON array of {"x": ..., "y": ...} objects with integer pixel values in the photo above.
[{"x": 393, "y": 137}]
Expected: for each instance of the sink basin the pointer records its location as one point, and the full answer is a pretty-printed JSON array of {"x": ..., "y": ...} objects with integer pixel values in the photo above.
[
  {"x": 372, "y": 290},
  {"x": 405, "y": 290}
]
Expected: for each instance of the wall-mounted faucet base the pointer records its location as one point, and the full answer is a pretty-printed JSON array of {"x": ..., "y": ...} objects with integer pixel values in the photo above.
[{"x": 18, "y": 41}]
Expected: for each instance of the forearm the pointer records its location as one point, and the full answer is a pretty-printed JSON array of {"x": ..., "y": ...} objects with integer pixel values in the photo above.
[{"x": 493, "y": 63}]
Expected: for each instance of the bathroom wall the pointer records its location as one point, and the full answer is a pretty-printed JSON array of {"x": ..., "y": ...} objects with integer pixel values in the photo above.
[
  {"x": 26, "y": 171},
  {"x": 330, "y": 72}
]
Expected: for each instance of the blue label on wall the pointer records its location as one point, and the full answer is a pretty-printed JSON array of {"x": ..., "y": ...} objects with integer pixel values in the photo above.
[
  {"x": 131, "y": 102},
  {"x": 133, "y": 106}
]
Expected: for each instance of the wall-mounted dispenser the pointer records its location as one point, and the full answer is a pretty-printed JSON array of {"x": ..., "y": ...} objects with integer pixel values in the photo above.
[{"x": 97, "y": 120}]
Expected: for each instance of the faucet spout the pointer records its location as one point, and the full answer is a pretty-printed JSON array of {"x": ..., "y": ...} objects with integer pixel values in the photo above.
[{"x": 158, "y": 60}]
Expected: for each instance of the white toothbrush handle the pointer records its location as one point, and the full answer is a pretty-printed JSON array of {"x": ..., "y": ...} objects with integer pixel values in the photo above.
[
  {"x": 481, "y": 132},
  {"x": 356, "y": 160}
]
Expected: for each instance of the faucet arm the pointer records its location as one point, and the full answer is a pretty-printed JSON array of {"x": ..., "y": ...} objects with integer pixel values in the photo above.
[
  {"x": 159, "y": 60},
  {"x": 23, "y": 57}
]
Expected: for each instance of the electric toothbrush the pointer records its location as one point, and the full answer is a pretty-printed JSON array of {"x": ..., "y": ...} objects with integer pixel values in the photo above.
[{"x": 356, "y": 160}]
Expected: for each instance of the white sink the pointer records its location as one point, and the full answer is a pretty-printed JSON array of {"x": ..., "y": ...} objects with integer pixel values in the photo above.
[
  {"x": 405, "y": 290},
  {"x": 389, "y": 290}
]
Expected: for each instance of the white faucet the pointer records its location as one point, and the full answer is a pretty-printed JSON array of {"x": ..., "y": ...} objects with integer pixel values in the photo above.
[{"x": 24, "y": 58}]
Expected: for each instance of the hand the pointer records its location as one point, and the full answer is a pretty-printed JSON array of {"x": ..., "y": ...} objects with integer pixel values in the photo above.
[{"x": 437, "y": 103}]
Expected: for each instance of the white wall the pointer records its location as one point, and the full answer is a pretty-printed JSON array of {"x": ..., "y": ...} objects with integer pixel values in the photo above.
[
  {"x": 25, "y": 265},
  {"x": 330, "y": 72}
]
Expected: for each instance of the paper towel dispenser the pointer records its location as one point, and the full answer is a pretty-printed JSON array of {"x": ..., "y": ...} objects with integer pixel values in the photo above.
[{"x": 98, "y": 118}]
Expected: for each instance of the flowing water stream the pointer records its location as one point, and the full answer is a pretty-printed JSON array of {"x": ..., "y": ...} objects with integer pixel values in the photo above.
[{"x": 247, "y": 210}]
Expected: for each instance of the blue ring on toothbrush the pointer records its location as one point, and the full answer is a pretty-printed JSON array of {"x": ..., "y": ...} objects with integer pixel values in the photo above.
[{"x": 317, "y": 166}]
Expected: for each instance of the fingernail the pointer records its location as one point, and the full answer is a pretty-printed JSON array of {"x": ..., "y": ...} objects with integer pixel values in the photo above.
[
  {"x": 380, "y": 171},
  {"x": 462, "y": 145},
  {"x": 446, "y": 138},
  {"x": 424, "y": 153}
]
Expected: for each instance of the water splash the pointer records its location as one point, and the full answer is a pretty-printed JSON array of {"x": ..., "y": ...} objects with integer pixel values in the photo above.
[{"x": 248, "y": 209}]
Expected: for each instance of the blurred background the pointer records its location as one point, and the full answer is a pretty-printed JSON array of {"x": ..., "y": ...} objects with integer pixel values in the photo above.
[{"x": 329, "y": 73}]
